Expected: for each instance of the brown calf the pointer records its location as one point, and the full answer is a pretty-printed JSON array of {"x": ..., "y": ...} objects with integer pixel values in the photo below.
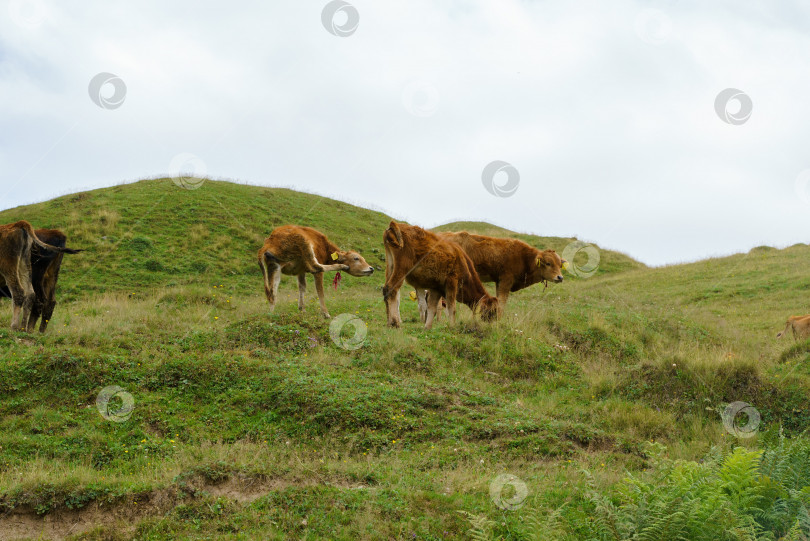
[
  {"x": 800, "y": 325},
  {"x": 426, "y": 262},
  {"x": 16, "y": 241},
  {"x": 296, "y": 250},
  {"x": 510, "y": 263}
]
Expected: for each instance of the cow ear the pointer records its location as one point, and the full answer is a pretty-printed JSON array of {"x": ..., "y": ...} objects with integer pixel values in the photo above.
[
  {"x": 540, "y": 262},
  {"x": 394, "y": 227}
]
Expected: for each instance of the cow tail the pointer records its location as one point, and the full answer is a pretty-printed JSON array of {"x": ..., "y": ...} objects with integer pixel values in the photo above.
[{"x": 25, "y": 226}]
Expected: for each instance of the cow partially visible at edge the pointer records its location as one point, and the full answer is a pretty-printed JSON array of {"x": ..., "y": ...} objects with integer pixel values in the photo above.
[{"x": 17, "y": 277}]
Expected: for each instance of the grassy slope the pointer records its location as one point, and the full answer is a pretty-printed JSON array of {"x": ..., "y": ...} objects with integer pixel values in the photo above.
[{"x": 386, "y": 441}]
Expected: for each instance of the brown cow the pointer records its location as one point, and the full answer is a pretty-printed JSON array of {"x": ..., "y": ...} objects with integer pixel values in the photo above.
[
  {"x": 426, "y": 262},
  {"x": 16, "y": 241},
  {"x": 800, "y": 325},
  {"x": 510, "y": 263},
  {"x": 45, "y": 266},
  {"x": 296, "y": 250}
]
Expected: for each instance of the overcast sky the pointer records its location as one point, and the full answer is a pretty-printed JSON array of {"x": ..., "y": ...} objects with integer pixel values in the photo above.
[{"x": 607, "y": 112}]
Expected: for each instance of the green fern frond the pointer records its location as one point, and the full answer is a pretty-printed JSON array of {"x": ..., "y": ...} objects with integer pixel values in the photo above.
[{"x": 480, "y": 527}]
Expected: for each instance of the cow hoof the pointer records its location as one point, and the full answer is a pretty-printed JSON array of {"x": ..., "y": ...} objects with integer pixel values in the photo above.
[{"x": 326, "y": 315}]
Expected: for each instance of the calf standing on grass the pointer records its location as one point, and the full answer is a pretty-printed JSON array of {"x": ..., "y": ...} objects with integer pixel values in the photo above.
[
  {"x": 427, "y": 262},
  {"x": 510, "y": 263},
  {"x": 296, "y": 250}
]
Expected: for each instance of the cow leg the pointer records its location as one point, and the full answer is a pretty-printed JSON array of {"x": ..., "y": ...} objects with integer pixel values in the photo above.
[
  {"x": 450, "y": 293},
  {"x": 272, "y": 276},
  {"x": 17, "y": 296},
  {"x": 319, "y": 289},
  {"x": 421, "y": 300},
  {"x": 391, "y": 298},
  {"x": 47, "y": 313},
  {"x": 391, "y": 294},
  {"x": 433, "y": 298},
  {"x": 36, "y": 310},
  {"x": 23, "y": 297},
  {"x": 302, "y": 289},
  {"x": 24, "y": 284},
  {"x": 502, "y": 290}
]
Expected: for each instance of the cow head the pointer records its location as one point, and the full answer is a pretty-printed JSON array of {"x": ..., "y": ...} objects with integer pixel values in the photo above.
[
  {"x": 357, "y": 265},
  {"x": 489, "y": 308},
  {"x": 549, "y": 264}
]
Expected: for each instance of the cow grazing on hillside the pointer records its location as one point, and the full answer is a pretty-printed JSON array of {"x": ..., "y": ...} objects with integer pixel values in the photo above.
[
  {"x": 16, "y": 241},
  {"x": 296, "y": 250},
  {"x": 510, "y": 263},
  {"x": 800, "y": 325},
  {"x": 426, "y": 262}
]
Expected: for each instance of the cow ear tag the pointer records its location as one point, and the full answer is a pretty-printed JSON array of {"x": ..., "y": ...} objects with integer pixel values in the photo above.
[
  {"x": 334, "y": 256},
  {"x": 565, "y": 265}
]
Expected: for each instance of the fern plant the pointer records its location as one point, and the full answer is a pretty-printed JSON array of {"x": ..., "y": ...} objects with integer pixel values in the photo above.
[{"x": 737, "y": 495}]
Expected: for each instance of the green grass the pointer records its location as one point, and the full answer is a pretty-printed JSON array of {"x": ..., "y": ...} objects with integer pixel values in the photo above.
[{"x": 253, "y": 426}]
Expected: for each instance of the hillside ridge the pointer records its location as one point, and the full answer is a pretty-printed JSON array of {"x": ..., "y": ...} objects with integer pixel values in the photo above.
[{"x": 153, "y": 232}]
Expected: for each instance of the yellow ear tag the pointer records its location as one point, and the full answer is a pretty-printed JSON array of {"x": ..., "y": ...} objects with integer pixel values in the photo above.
[
  {"x": 334, "y": 256},
  {"x": 413, "y": 295},
  {"x": 565, "y": 265}
]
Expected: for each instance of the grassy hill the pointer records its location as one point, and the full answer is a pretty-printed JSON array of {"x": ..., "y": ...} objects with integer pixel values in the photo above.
[
  {"x": 152, "y": 233},
  {"x": 602, "y": 396}
]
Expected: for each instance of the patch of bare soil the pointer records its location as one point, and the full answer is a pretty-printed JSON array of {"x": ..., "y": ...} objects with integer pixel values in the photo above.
[{"x": 24, "y": 523}]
